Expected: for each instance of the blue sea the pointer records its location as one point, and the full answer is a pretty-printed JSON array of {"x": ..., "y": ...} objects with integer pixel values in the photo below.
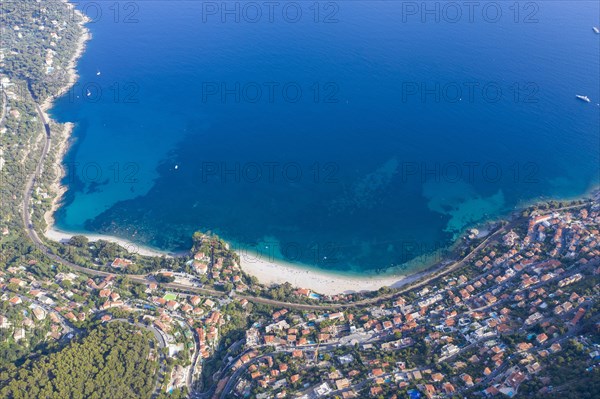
[{"x": 351, "y": 136}]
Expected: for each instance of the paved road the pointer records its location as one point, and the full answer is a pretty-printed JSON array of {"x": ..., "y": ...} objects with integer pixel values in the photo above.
[
  {"x": 195, "y": 357},
  {"x": 142, "y": 279},
  {"x": 161, "y": 344},
  {"x": 232, "y": 381},
  {"x": 66, "y": 324}
]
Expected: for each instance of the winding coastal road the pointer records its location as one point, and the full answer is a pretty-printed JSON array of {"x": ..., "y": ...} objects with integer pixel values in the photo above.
[
  {"x": 161, "y": 345},
  {"x": 68, "y": 327},
  {"x": 143, "y": 279}
]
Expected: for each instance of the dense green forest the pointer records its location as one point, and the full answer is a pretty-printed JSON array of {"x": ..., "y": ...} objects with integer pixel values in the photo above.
[{"x": 111, "y": 362}]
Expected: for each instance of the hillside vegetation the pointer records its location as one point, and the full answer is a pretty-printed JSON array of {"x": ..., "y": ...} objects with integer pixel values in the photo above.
[{"x": 113, "y": 361}]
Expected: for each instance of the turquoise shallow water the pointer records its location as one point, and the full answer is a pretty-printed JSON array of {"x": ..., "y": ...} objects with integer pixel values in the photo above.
[{"x": 351, "y": 136}]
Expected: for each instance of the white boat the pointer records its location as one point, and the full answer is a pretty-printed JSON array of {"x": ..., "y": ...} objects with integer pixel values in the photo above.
[
  {"x": 596, "y": 29},
  {"x": 98, "y": 73},
  {"x": 89, "y": 93},
  {"x": 583, "y": 98}
]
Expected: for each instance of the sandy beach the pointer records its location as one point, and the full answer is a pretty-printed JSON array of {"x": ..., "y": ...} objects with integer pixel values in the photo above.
[
  {"x": 62, "y": 236},
  {"x": 61, "y": 140},
  {"x": 265, "y": 270},
  {"x": 269, "y": 272}
]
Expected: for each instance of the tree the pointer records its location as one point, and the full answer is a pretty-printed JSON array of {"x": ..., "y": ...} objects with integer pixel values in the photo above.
[
  {"x": 79, "y": 241},
  {"x": 161, "y": 278},
  {"x": 111, "y": 362}
]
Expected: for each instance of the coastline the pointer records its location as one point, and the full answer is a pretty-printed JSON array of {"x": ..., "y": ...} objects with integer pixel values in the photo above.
[
  {"x": 62, "y": 143},
  {"x": 270, "y": 272},
  {"x": 66, "y": 129},
  {"x": 267, "y": 271},
  {"x": 63, "y": 236}
]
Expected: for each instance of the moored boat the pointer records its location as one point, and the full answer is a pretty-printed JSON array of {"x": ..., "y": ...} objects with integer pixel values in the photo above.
[{"x": 583, "y": 98}]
